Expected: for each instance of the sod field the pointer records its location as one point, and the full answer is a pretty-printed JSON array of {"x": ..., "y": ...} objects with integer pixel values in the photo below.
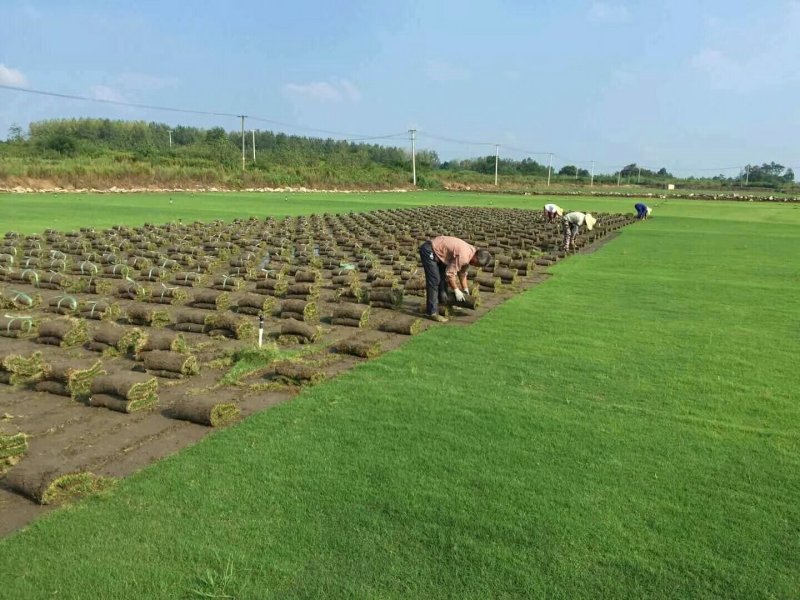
[{"x": 626, "y": 429}]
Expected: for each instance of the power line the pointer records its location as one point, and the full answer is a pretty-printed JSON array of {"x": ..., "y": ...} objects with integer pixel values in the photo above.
[{"x": 117, "y": 102}]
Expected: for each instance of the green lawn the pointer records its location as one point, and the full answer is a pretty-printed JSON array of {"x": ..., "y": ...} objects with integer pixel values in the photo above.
[{"x": 628, "y": 429}]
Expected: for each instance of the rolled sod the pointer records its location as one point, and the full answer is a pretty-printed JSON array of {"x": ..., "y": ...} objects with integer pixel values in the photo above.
[
  {"x": 241, "y": 328},
  {"x": 145, "y": 315},
  {"x": 12, "y": 447},
  {"x": 357, "y": 312},
  {"x": 77, "y": 377},
  {"x": 167, "y": 295},
  {"x": 255, "y": 304},
  {"x": 273, "y": 287},
  {"x": 403, "y": 324},
  {"x": 205, "y": 411},
  {"x": 303, "y": 291},
  {"x": 212, "y": 299},
  {"x": 165, "y": 340},
  {"x": 23, "y": 369},
  {"x": 345, "y": 322},
  {"x": 488, "y": 283},
  {"x": 65, "y": 305},
  {"x": 358, "y": 348},
  {"x": 227, "y": 283},
  {"x": 132, "y": 386},
  {"x": 122, "y": 405},
  {"x": 297, "y": 373},
  {"x": 99, "y": 310},
  {"x": 70, "y": 331},
  {"x": 196, "y": 317},
  {"x": 307, "y": 277},
  {"x": 184, "y": 365},
  {"x": 53, "y": 387},
  {"x": 190, "y": 327},
  {"x": 471, "y": 302},
  {"x": 386, "y": 298},
  {"x": 299, "y": 328},
  {"x": 48, "y": 483},
  {"x": 189, "y": 278},
  {"x": 18, "y": 326},
  {"x": 307, "y": 310}
]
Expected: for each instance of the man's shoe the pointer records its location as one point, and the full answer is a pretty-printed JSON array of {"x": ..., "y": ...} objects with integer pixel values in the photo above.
[{"x": 437, "y": 318}]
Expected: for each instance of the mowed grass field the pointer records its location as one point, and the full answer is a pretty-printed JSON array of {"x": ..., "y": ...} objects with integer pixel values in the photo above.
[{"x": 627, "y": 429}]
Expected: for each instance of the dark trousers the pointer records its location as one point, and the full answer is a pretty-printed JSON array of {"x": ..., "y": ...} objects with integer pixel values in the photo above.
[{"x": 435, "y": 282}]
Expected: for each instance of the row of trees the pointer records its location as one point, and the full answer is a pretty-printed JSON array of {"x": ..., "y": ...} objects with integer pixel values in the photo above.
[{"x": 159, "y": 143}]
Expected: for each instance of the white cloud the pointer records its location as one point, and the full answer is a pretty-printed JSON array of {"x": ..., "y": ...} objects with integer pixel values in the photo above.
[
  {"x": 341, "y": 90},
  {"x": 609, "y": 12},
  {"x": 442, "y": 71},
  {"x": 109, "y": 94},
  {"x": 13, "y": 77}
]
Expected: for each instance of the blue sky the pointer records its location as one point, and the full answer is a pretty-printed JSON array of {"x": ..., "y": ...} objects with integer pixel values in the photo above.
[{"x": 694, "y": 86}]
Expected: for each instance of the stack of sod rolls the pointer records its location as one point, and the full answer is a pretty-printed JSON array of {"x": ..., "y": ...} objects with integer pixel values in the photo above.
[
  {"x": 124, "y": 392},
  {"x": 386, "y": 297},
  {"x": 205, "y": 411},
  {"x": 254, "y": 304},
  {"x": 192, "y": 321},
  {"x": 241, "y": 328},
  {"x": 48, "y": 482},
  {"x": 12, "y": 447},
  {"x": 145, "y": 315},
  {"x": 212, "y": 300},
  {"x": 172, "y": 365},
  {"x": 14, "y": 326},
  {"x": 20, "y": 370},
  {"x": 111, "y": 338},
  {"x": 163, "y": 340},
  {"x": 351, "y": 315},
  {"x": 167, "y": 295},
  {"x": 98, "y": 310},
  {"x": 67, "y": 377},
  {"x": 63, "y": 332},
  {"x": 300, "y": 310}
]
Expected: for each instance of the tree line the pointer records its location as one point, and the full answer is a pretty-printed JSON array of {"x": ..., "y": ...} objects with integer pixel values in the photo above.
[{"x": 161, "y": 144}]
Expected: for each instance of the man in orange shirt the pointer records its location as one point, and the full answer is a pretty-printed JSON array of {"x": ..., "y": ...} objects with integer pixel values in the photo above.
[{"x": 446, "y": 260}]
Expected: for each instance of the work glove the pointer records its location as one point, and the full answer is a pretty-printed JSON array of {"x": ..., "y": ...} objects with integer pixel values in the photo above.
[
  {"x": 466, "y": 291},
  {"x": 459, "y": 295}
]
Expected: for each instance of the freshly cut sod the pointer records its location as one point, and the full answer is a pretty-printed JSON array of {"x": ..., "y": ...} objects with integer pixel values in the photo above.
[{"x": 626, "y": 429}]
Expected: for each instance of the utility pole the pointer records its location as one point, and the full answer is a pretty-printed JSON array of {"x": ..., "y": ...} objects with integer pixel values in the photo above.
[
  {"x": 496, "y": 161},
  {"x": 413, "y": 133},
  {"x": 591, "y": 182},
  {"x": 747, "y": 175},
  {"x": 619, "y": 176},
  {"x": 638, "y": 175},
  {"x": 242, "y": 118},
  {"x": 549, "y": 165},
  {"x": 254, "y": 145},
  {"x": 170, "y": 139}
]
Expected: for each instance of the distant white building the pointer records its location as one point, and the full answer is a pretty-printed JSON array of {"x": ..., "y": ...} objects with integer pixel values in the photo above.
[{"x": 670, "y": 186}]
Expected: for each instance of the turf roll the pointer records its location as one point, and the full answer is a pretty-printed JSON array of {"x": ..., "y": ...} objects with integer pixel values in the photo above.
[
  {"x": 307, "y": 311},
  {"x": 23, "y": 369},
  {"x": 300, "y": 329},
  {"x": 50, "y": 483},
  {"x": 403, "y": 324},
  {"x": 360, "y": 348},
  {"x": 176, "y": 364},
  {"x": 297, "y": 373},
  {"x": 133, "y": 387},
  {"x": 76, "y": 376},
  {"x": 255, "y": 304},
  {"x": 204, "y": 411},
  {"x": 241, "y": 328},
  {"x": 14, "y": 326},
  {"x": 391, "y": 298},
  {"x": 52, "y": 387},
  {"x": 69, "y": 331},
  {"x": 356, "y": 312},
  {"x": 212, "y": 299},
  {"x": 145, "y": 315},
  {"x": 12, "y": 447},
  {"x": 164, "y": 340},
  {"x": 99, "y": 310}
]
